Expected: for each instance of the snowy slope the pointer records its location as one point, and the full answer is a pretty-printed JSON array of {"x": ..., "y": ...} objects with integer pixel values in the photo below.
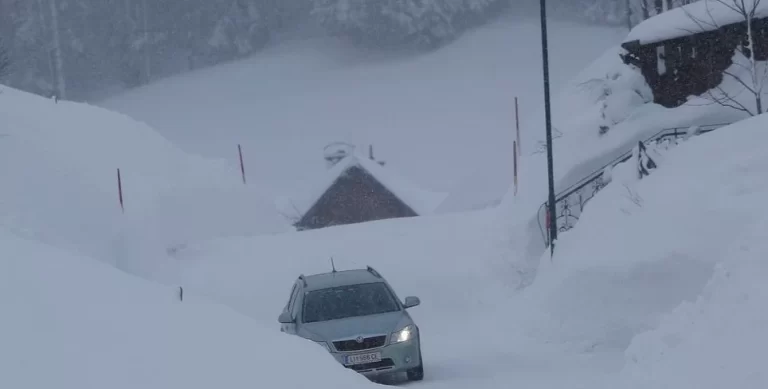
[
  {"x": 717, "y": 339},
  {"x": 464, "y": 280},
  {"x": 669, "y": 268},
  {"x": 606, "y": 93},
  {"x": 58, "y": 166},
  {"x": 606, "y": 310},
  {"x": 435, "y": 118},
  {"x": 72, "y": 322}
]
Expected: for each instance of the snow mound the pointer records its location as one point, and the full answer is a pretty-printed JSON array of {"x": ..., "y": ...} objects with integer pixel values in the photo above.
[
  {"x": 668, "y": 268},
  {"x": 419, "y": 256},
  {"x": 599, "y": 116},
  {"x": 58, "y": 165},
  {"x": 718, "y": 340},
  {"x": 72, "y": 322}
]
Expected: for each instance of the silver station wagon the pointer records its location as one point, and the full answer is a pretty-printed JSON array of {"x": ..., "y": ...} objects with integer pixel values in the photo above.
[{"x": 358, "y": 318}]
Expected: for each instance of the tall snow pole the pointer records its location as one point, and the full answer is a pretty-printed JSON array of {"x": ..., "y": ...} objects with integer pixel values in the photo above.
[{"x": 548, "y": 121}]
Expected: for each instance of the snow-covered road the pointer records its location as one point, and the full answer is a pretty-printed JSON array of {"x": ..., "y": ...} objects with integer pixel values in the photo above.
[{"x": 472, "y": 330}]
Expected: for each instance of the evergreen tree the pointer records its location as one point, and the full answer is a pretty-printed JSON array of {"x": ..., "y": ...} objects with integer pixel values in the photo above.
[{"x": 424, "y": 23}]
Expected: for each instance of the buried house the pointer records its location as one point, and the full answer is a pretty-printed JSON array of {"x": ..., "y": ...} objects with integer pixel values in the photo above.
[
  {"x": 690, "y": 50},
  {"x": 357, "y": 189}
]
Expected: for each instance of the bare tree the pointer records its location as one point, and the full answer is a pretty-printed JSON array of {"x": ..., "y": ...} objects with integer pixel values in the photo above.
[{"x": 755, "y": 82}]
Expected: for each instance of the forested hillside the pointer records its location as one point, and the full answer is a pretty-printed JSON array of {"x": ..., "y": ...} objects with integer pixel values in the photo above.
[{"x": 85, "y": 49}]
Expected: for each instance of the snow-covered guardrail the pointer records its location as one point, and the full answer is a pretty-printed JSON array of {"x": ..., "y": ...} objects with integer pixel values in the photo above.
[{"x": 570, "y": 202}]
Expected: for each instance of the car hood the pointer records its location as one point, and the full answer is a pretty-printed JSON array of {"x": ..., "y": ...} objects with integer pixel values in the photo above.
[{"x": 353, "y": 327}]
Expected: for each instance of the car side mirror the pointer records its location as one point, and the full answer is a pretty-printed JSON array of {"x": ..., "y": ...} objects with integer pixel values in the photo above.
[
  {"x": 411, "y": 301},
  {"x": 285, "y": 318}
]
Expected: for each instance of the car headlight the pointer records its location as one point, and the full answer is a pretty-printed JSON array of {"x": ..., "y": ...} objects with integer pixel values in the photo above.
[
  {"x": 325, "y": 346},
  {"x": 403, "y": 335}
]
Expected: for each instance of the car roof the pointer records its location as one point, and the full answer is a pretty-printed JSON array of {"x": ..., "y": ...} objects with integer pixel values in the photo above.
[{"x": 341, "y": 278}]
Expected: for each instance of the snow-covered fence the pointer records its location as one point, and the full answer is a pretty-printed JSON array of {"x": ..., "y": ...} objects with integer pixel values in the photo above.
[
  {"x": 644, "y": 161},
  {"x": 570, "y": 202}
]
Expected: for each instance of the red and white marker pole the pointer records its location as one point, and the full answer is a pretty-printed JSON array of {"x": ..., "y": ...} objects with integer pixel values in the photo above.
[
  {"x": 242, "y": 165},
  {"x": 120, "y": 190}
]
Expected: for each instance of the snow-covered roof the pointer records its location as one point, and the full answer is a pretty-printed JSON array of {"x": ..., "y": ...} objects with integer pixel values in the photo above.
[
  {"x": 422, "y": 201},
  {"x": 694, "y": 18}
]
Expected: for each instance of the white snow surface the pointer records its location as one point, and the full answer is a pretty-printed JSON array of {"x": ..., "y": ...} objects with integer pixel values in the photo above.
[
  {"x": 657, "y": 279},
  {"x": 72, "y": 322},
  {"x": 439, "y": 118},
  {"x": 421, "y": 201},
  {"x": 607, "y": 85},
  {"x": 669, "y": 268},
  {"x": 606, "y": 311},
  {"x": 58, "y": 166},
  {"x": 451, "y": 262},
  {"x": 694, "y": 18}
]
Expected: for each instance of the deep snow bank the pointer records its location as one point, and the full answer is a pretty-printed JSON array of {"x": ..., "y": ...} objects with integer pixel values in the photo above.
[
  {"x": 445, "y": 260},
  {"x": 469, "y": 331},
  {"x": 644, "y": 247},
  {"x": 601, "y": 114},
  {"x": 58, "y": 166},
  {"x": 71, "y": 322},
  {"x": 719, "y": 340}
]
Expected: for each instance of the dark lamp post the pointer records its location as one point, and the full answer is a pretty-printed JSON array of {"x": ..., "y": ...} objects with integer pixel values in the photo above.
[{"x": 548, "y": 120}]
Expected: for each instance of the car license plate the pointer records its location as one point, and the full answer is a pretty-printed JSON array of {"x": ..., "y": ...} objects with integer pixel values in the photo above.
[{"x": 359, "y": 359}]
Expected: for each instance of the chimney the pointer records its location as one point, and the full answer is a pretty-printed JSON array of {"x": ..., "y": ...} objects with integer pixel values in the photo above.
[
  {"x": 335, "y": 152},
  {"x": 372, "y": 158}
]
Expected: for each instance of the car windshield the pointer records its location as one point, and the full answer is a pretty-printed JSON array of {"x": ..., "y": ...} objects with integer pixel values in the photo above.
[{"x": 348, "y": 301}]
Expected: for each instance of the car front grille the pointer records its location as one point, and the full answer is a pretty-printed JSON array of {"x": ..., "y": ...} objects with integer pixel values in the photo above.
[
  {"x": 385, "y": 363},
  {"x": 353, "y": 345}
]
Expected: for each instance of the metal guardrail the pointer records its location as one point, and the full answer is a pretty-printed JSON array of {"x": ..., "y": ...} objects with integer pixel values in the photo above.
[{"x": 570, "y": 202}]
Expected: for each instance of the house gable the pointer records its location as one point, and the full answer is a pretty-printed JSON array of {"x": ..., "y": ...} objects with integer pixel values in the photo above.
[{"x": 355, "y": 196}]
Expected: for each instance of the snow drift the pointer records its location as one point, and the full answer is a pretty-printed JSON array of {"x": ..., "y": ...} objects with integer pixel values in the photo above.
[
  {"x": 599, "y": 116},
  {"x": 668, "y": 268},
  {"x": 716, "y": 339},
  {"x": 72, "y": 322},
  {"x": 59, "y": 172}
]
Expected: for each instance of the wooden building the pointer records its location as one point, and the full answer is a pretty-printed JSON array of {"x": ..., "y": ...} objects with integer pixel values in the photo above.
[
  {"x": 685, "y": 51},
  {"x": 357, "y": 189}
]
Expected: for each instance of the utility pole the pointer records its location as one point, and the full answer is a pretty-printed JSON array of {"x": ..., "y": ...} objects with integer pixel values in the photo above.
[{"x": 548, "y": 121}]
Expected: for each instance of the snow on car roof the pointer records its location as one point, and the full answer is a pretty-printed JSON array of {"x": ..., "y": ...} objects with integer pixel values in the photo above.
[{"x": 340, "y": 278}]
